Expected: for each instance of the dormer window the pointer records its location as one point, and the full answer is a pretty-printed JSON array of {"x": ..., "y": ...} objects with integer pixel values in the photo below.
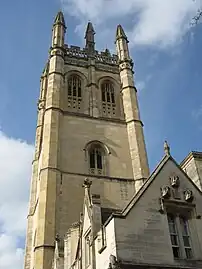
[
  {"x": 108, "y": 99},
  {"x": 74, "y": 92}
]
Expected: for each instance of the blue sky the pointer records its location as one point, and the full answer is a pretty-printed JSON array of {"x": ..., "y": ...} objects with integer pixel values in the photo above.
[{"x": 167, "y": 74}]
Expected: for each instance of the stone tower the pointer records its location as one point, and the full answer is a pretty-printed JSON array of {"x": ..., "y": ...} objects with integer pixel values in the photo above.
[{"x": 88, "y": 126}]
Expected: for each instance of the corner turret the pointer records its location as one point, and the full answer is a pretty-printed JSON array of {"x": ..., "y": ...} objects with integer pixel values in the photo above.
[{"x": 131, "y": 111}]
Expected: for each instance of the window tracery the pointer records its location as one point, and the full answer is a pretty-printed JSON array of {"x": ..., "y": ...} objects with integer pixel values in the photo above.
[
  {"x": 108, "y": 98},
  {"x": 74, "y": 92},
  {"x": 96, "y": 159}
]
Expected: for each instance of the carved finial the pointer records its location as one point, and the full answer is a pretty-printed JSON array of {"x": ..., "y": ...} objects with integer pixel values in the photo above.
[
  {"x": 87, "y": 183},
  {"x": 166, "y": 148}
]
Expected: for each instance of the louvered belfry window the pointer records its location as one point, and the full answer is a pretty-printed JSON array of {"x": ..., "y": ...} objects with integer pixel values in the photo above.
[
  {"x": 74, "y": 92},
  {"x": 108, "y": 99}
]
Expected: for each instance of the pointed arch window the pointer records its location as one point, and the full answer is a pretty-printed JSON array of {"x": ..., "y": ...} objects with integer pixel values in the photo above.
[
  {"x": 96, "y": 159},
  {"x": 108, "y": 99},
  {"x": 74, "y": 92}
]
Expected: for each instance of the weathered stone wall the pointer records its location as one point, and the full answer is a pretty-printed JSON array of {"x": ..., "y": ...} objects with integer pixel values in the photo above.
[
  {"x": 193, "y": 168},
  {"x": 114, "y": 193},
  {"x": 143, "y": 236},
  {"x": 76, "y": 132},
  {"x": 102, "y": 259}
]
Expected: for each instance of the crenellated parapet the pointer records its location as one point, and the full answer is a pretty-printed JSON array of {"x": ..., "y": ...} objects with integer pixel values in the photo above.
[{"x": 104, "y": 60}]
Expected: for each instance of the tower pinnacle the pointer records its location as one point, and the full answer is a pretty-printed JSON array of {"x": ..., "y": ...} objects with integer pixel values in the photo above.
[
  {"x": 89, "y": 36},
  {"x": 122, "y": 44},
  {"x": 59, "y": 29},
  {"x": 120, "y": 33},
  {"x": 131, "y": 110},
  {"x": 59, "y": 19}
]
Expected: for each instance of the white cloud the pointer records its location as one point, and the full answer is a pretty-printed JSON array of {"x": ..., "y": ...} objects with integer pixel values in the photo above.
[
  {"x": 157, "y": 22},
  {"x": 15, "y": 167},
  {"x": 11, "y": 257}
]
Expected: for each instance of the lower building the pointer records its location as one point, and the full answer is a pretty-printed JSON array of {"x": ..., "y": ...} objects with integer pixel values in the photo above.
[{"x": 161, "y": 226}]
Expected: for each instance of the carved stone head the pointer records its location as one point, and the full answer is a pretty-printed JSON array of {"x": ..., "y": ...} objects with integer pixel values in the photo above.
[
  {"x": 113, "y": 263},
  {"x": 188, "y": 195},
  {"x": 174, "y": 181},
  {"x": 165, "y": 192}
]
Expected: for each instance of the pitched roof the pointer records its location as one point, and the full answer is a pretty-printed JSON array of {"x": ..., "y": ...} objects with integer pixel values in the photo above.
[
  {"x": 146, "y": 185},
  {"x": 192, "y": 154}
]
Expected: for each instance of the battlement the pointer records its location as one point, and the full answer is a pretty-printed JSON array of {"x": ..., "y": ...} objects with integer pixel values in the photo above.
[{"x": 104, "y": 57}]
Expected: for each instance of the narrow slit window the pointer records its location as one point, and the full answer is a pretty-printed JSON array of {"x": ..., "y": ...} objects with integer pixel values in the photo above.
[
  {"x": 87, "y": 250},
  {"x": 186, "y": 237},
  {"x": 99, "y": 160},
  {"x": 174, "y": 236}
]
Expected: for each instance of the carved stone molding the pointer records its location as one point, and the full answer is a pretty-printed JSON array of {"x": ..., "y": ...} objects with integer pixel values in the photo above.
[
  {"x": 125, "y": 65},
  {"x": 41, "y": 104}
]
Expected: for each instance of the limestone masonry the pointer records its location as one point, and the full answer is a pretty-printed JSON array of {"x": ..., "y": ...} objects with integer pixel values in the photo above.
[{"x": 93, "y": 202}]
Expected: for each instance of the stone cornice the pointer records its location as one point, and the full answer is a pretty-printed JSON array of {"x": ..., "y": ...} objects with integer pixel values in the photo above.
[
  {"x": 192, "y": 154},
  {"x": 134, "y": 120},
  {"x": 129, "y": 87},
  {"x": 82, "y": 115},
  {"x": 44, "y": 246},
  {"x": 87, "y": 175}
]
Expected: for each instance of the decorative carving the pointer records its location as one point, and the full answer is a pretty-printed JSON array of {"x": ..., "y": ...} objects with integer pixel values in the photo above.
[
  {"x": 41, "y": 104},
  {"x": 166, "y": 148},
  {"x": 188, "y": 195},
  {"x": 162, "y": 209},
  {"x": 113, "y": 263},
  {"x": 87, "y": 183},
  {"x": 77, "y": 62},
  {"x": 125, "y": 65},
  {"x": 103, "y": 57},
  {"x": 174, "y": 181},
  {"x": 108, "y": 68},
  {"x": 165, "y": 192},
  {"x": 57, "y": 238}
]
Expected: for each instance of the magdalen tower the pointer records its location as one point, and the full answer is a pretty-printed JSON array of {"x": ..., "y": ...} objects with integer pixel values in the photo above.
[{"x": 88, "y": 126}]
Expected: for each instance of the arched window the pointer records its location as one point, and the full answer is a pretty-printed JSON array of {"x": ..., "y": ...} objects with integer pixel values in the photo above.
[
  {"x": 96, "y": 159},
  {"x": 108, "y": 99},
  {"x": 74, "y": 92}
]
